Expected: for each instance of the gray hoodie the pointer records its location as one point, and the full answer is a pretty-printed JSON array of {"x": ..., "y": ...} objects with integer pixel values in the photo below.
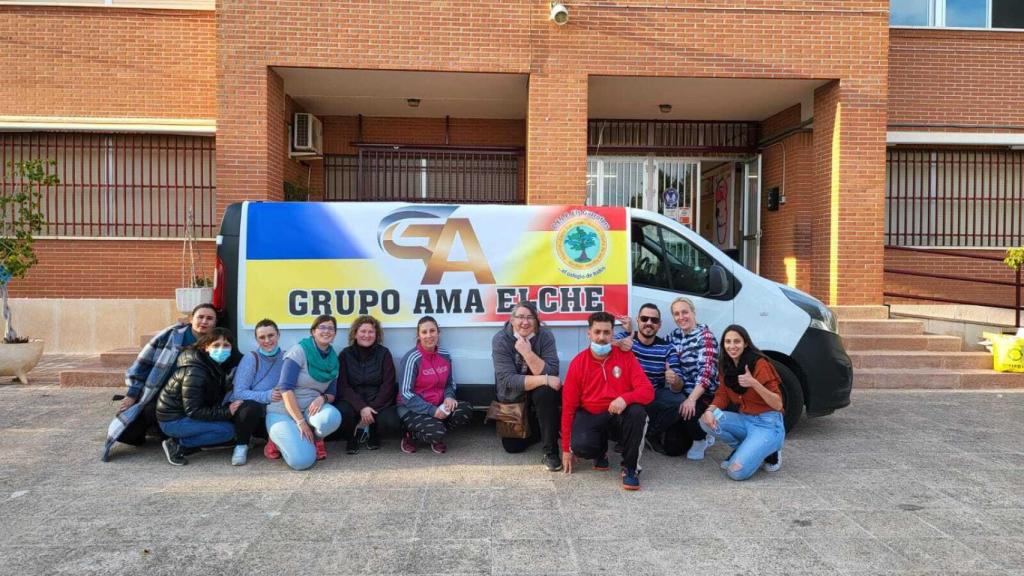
[{"x": 510, "y": 370}]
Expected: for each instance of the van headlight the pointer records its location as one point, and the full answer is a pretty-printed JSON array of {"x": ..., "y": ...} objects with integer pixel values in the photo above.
[{"x": 821, "y": 317}]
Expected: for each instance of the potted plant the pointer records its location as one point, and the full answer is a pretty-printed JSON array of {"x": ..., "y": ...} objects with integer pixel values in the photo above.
[
  {"x": 22, "y": 220},
  {"x": 196, "y": 289}
]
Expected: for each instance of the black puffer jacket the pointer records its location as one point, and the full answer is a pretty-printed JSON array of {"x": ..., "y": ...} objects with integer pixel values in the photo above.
[{"x": 196, "y": 389}]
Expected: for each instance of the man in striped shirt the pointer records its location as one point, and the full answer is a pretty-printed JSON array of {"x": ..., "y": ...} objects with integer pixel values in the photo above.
[{"x": 660, "y": 362}]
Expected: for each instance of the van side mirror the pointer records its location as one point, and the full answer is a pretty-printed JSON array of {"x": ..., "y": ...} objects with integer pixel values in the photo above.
[{"x": 718, "y": 284}]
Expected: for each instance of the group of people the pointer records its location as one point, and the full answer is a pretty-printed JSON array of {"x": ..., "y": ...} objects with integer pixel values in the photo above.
[{"x": 674, "y": 394}]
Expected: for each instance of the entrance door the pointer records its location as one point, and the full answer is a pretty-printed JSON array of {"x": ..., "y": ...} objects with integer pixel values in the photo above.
[{"x": 750, "y": 225}]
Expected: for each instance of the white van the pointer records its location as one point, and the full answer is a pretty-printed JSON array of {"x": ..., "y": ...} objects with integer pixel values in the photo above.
[{"x": 467, "y": 265}]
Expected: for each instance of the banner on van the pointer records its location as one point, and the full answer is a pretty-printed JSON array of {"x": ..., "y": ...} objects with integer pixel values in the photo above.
[{"x": 464, "y": 265}]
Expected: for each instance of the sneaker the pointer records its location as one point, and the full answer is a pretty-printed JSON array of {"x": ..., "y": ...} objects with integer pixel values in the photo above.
[
  {"x": 408, "y": 444},
  {"x": 372, "y": 443},
  {"x": 552, "y": 462},
  {"x": 773, "y": 462},
  {"x": 601, "y": 464},
  {"x": 173, "y": 452},
  {"x": 270, "y": 451},
  {"x": 654, "y": 443},
  {"x": 321, "y": 449},
  {"x": 352, "y": 446},
  {"x": 696, "y": 452},
  {"x": 631, "y": 479},
  {"x": 240, "y": 455},
  {"x": 439, "y": 447}
]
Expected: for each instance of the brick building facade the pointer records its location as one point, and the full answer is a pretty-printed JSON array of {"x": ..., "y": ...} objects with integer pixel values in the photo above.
[{"x": 833, "y": 90}]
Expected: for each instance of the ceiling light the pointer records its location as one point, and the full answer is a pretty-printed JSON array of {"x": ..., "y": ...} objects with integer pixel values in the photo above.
[
  {"x": 413, "y": 102},
  {"x": 665, "y": 108}
]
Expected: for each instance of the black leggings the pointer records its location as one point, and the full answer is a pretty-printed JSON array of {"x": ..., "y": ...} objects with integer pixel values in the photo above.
[
  {"x": 429, "y": 429},
  {"x": 386, "y": 422},
  {"x": 250, "y": 420}
]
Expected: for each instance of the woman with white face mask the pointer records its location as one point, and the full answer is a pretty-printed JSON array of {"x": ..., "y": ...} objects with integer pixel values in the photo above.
[
  {"x": 526, "y": 366},
  {"x": 190, "y": 407}
]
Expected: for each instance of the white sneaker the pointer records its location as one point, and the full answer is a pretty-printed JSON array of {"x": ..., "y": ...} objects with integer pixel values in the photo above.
[
  {"x": 772, "y": 467},
  {"x": 696, "y": 452},
  {"x": 240, "y": 455}
]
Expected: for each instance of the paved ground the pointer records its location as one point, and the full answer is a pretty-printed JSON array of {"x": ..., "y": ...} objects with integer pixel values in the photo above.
[{"x": 900, "y": 482}]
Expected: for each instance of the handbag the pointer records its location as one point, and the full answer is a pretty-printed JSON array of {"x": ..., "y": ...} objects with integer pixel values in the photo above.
[{"x": 510, "y": 419}]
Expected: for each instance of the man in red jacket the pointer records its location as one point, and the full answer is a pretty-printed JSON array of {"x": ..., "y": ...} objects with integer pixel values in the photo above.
[{"x": 605, "y": 390}]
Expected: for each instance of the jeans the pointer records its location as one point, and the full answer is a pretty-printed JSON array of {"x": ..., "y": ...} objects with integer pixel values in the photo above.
[
  {"x": 296, "y": 451},
  {"x": 192, "y": 433},
  {"x": 752, "y": 438}
]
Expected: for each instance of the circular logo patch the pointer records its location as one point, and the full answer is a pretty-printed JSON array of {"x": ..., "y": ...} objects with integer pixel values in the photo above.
[
  {"x": 617, "y": 372},
  {"x": 581, "y": 243}
]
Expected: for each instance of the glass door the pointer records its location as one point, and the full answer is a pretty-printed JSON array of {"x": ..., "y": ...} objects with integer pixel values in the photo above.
[{"x": 751, "y": 221}]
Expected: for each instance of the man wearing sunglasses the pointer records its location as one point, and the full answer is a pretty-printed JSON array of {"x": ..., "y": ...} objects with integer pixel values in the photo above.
[{"x": 660, "y": 362}]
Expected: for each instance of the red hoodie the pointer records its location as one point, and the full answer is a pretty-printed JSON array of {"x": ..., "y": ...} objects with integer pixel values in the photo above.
[{"x": 592, "y": 384}]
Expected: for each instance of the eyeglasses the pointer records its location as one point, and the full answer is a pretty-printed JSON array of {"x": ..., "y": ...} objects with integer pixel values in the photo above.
[
  {"x": 520, "y": 317},
  {"x": 325, "y": 329},
  {"x": 650, "y": 319}
]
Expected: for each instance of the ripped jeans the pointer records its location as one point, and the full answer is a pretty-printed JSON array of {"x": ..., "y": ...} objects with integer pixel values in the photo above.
[{"x": 752, "y": 438}]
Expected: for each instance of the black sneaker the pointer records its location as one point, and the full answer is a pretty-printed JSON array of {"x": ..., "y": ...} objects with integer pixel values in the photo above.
[
  {"x": 552, "y": 462},
  {"x": 372, "y": 443},
  {"x": 654, "y": 443},
  {"x": 352, "y": 446},
  {"x": 772, "y": 462},
  {"x": 173, "y": 452},
  {"x": 601, "y": 463}
]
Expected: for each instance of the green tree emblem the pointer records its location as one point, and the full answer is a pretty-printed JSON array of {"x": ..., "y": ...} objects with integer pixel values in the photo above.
[{"x": 579, "y": 240}]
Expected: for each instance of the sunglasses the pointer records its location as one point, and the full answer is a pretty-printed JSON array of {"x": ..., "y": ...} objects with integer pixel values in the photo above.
[{"x": 650, "y": 319}]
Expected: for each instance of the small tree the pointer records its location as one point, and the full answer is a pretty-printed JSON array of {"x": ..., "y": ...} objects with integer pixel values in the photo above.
[
  {"x": 1014, "y": 258},
  {"x": 22, "y": 218}
]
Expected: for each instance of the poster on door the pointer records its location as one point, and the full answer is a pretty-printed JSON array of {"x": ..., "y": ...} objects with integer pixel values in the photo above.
[{"x": 717, "y": 202}]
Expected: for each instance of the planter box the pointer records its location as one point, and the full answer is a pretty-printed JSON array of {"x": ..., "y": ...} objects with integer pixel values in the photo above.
[
  {"x": 188, "y": 298},
  {"x": 18, "y": 359}
]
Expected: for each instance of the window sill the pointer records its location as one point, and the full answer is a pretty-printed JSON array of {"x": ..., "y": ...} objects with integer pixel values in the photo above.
[
  {"x": 955, "y": 29},
  {"x": 199, "y": 5}
]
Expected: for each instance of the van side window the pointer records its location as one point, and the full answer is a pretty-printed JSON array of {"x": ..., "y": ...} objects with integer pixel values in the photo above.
[
  {"x": 649, "y": 267},
  {"x": 689, "y": 267}
]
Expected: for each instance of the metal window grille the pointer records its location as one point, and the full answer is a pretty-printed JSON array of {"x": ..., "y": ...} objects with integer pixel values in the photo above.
[
  {"x": 424, "y": 175},
  {"x": 682, "y": 136},
  {"x": 954, "y": 198},
  {"x": 120, "y": 185}
]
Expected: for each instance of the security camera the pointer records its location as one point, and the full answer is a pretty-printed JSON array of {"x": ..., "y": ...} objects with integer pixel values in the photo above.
[{"x": 559, "y": 14}]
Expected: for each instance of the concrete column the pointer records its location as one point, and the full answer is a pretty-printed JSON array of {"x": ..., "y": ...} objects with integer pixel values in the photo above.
[{"x": 556, "y": 138}]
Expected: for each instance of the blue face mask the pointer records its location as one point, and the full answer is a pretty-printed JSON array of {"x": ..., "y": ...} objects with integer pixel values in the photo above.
[
  {"x": 219, "y": 355},
  {"x": 271, "y": 353},
  {"x": 601, "y": 349}
]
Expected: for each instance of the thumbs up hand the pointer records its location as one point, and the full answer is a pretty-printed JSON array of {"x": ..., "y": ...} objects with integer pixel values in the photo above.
[{"x": 746, "y": 380}]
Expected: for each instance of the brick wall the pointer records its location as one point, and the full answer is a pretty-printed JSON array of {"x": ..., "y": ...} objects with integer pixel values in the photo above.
[
  {"x": 958, "y": 77},
  {"x": 110, "y": 269},
  {"x": 107, "y": 62},
  {"x": 786, "y": 233}
]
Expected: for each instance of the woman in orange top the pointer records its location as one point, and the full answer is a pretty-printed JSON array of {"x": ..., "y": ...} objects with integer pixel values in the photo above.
[{"x": 747, "y": 380}]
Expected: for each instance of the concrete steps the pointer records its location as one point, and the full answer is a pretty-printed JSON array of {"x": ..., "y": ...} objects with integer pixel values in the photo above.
[
  {"x": 921, "y": 359},
  {"x": 92, "y": 373},
  {"x": 936, "y": 378},
  {"x": 119, "y": 358},
  {"x": 896, "y": 353},
  {"x": 904, "y": 342}
]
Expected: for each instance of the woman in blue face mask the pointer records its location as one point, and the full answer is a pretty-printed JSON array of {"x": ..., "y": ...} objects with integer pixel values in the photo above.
[
  {"x": 190, "y": 407},
  {"x": 256, "y": 386}
]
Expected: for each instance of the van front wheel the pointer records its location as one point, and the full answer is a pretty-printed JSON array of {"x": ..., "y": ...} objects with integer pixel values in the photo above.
[{"x": 792, "y": 396}]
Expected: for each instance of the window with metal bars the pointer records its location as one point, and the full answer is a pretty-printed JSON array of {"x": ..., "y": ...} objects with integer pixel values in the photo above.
[
  {"x": 954, "y": 198},
  {"x": 424, "y": 175},
  {"x": 120, "y": 185}
]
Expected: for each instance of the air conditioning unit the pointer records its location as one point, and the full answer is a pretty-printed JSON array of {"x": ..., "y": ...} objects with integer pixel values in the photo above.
[{"x": 307, "y": 135}]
